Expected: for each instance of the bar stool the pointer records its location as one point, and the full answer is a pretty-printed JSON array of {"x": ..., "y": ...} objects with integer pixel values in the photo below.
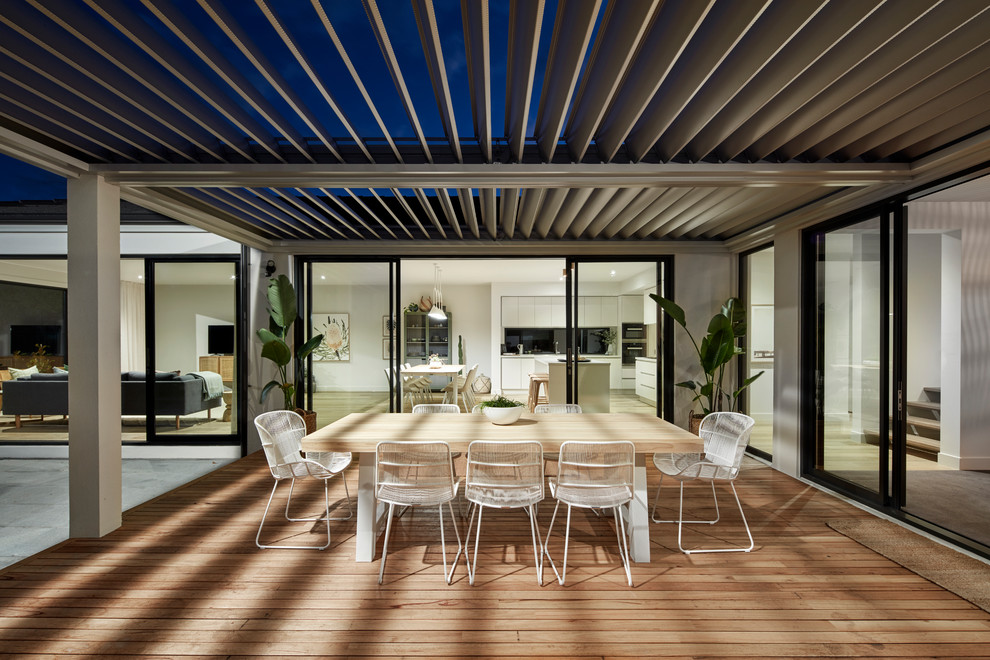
[{"x": 536, "y": 383}]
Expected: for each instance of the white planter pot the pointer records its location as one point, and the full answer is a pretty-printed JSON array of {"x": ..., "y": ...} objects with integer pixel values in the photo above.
[{"x": 503, "y": 416}]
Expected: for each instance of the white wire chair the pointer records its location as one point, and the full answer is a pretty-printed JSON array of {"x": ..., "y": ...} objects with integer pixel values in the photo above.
[
  {"x": 436, "y": 408},
  {"x": 726, "y": 435},
  {"x": 504, "y": 475},
  {"x": 556, "y": 409},
  {"x": 416, "y": 474},
  {"x": 281, "y": 433},
  {"x": 464, "y": 385},
  {"x": 593, "y": 475}
]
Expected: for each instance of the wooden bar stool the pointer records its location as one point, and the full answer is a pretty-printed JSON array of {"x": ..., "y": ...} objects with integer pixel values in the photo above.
[{"x": 536, "y": 382}]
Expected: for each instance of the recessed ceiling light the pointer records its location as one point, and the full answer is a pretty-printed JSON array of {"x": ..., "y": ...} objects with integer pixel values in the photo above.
[
  {"x": 612, "y": 274},
  {"x": 233, "y": 277},
  {"x": 323, "y": 277},
  {"x": 140, "y": 277}
]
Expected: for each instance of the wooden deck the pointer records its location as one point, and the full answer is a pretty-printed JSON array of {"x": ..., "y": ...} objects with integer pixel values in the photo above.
[{"x": 183, "y": 578}]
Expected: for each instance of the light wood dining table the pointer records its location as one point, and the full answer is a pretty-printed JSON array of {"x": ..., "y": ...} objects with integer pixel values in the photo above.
[
  {"x": 360, "y": 433},
  {"x": 451, "y": 370}
]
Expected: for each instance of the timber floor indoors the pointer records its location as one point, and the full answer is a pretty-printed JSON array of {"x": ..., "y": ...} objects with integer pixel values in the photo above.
[{"x": 182, "y": 578}]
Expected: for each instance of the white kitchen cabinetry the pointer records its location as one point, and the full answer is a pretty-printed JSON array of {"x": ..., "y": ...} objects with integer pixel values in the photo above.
[
  {"x": 631, "y": 309},
  {"x": 516, "y": 371},
  {"x": 610, "y": 311},
  {"x": 542, "y": 312},
  {"x": 510, "y": 312},
  {"x": 527, "y": 312},
  {"x": 592, "y": 312},
  {"x": 558, "y": 312},
  {"x": 646, "y": 379}
]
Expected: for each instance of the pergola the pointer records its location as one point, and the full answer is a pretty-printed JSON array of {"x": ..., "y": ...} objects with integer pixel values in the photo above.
[{"x": 311, "y": 127}]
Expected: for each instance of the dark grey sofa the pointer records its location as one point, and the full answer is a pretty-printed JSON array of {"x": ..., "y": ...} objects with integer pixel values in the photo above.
[{"x": 48, "y": 394}]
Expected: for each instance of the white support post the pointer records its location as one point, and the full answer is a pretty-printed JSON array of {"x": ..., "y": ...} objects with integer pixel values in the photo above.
[{"x": 94, "y": 356}]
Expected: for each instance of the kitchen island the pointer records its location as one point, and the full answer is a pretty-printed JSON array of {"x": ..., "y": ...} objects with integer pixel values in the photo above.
[{"x": 593, "y": 383}]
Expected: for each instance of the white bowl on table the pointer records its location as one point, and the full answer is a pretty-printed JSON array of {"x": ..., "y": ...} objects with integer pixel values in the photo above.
[{"x": 503, "y": 416}]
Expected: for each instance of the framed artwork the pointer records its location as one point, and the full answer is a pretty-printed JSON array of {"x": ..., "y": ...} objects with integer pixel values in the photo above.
[
  {"x": 336, "y": 331},
  {"x": 385, "y": 344},
  {"x": 386, "y": 325}
]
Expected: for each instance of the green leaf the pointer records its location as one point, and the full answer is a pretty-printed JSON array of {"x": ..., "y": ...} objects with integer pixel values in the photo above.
[
  {"x": 277, "y": 351},
  {"x": 671, "y": 308},
  {"x": 308, "y": 347},
  {"x": 269, "y": 386},
  {"x": 282, "y": 301},
  {"x": 688, "y": 384},
  {"x": 746, "y": 383},
  {"x": 266, "y": 335}
]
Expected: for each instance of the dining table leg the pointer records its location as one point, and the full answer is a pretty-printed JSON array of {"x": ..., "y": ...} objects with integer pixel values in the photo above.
[
  {"x": 638, "y": 528},
  {"x": 368, "y": 514}
]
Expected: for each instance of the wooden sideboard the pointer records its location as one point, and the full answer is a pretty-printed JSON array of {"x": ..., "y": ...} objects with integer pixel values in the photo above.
[{"x": 221, "y": 364}]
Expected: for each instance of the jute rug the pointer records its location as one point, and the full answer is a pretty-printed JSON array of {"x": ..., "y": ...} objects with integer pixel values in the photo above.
[{"x": 962, "y": 575}]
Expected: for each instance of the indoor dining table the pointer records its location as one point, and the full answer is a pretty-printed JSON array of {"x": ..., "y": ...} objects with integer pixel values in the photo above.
[
  {"x": 360, "y": 433},
  {"x": 451, "y": 370}
]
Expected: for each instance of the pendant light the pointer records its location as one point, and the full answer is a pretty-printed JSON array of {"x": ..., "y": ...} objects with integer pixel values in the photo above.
[{"x": 436, "y": 312}]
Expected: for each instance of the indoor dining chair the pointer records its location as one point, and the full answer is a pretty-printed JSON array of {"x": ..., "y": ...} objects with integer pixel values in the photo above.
[
  {"x": 725, "y": 436},
  {"x": 464, "y": 388},
  {"x": 593, "y": 475},
  {"x": 281, "y": 433},
  {"x": 504, "y": 475},
  {"x": 412, "y": 474}
]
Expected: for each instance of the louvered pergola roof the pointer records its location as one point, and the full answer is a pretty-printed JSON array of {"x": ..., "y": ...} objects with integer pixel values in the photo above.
[{"x": 332, "y": 123}]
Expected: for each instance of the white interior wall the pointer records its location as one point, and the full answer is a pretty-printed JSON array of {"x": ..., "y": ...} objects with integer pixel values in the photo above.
[
  {"x": 924, "y": 326},
  {"x": 966, "y": 392},
  {"x": 365, "y": 305},
  {"x": 178, "y": 309},
  {"x": 760, "y": 334}
]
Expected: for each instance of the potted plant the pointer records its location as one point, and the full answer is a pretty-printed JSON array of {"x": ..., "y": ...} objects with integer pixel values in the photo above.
[
  {"x": 281, "y": 314},
  {"x": 716, "y": 350},
  {"x": 607, "y": 338},
  {"x": 501, "y": 410}
]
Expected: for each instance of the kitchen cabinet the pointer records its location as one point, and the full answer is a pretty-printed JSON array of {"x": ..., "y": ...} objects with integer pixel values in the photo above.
[
  {"x": 592, "y": 312},
  {"x": 631, "y": 309},
  {"x": 610, "y": 311},
  {"x": 558, "y": 312},
  {"x": 542, "y": 312},
  {"x": 527, "y": 312},
  {"x": 510, "y": 312},
  {"x": 646, "y": 380},
  {"x": 516, "y": 371}
]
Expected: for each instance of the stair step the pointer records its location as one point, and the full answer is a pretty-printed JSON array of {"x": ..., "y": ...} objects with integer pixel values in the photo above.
[
  {"x": 927, "y": 405},
  {"x": 923, "y": 444},
  {"x": 922, "y": 423},
  {"x": 913, "y": 441},
  {"x": 933, "y": 393}
]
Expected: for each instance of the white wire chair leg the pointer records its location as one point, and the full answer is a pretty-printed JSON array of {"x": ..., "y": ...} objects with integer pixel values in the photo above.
[
  {"x": 704, "y": 550},
  {"x": 443, "y": 543},
  {"x": 350, "y": 507},
  {"x": 326, "y": 500},
  {"x": 620, "y": 532},
  {"x": 475, "y": 508},
  {"x": 388, "y": 530},
  {"x": 537, "y": 553},
  {"x": 656, "y": 500},
  {"x": 546, "y": 544}
]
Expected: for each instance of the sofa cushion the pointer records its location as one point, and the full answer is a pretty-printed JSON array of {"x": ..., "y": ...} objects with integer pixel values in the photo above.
[
  {"x": 22, "y": 373},
  {"x": 62, "y": 376},
  {"x": 140, "y": 375},
  {"x": 60, "y": 370}
]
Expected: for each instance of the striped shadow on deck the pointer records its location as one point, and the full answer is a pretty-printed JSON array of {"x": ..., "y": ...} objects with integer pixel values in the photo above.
[{"x": 182, "y": 577}]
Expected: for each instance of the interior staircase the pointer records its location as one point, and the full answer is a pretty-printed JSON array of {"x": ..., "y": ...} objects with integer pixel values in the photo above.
[{"x": 923, "y": 425}]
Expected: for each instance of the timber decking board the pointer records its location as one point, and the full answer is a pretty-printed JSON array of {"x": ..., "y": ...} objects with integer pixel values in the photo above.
[{"x": 182, "y": 578}]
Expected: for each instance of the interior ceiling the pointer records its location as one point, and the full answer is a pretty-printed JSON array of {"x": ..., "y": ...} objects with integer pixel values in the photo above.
[{"x": 337, "y": 123}]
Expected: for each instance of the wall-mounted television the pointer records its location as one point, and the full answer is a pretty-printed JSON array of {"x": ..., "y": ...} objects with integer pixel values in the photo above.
[
  {"x": 220, "y": 339},
  {"x": 26, "y": 338}
]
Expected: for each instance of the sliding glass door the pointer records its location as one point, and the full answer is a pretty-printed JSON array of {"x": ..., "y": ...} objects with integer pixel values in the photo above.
[{"x": 849, "y": 423}]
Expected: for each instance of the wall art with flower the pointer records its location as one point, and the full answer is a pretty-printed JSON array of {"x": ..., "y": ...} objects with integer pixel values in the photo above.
[{"x": 336, "y": 331}]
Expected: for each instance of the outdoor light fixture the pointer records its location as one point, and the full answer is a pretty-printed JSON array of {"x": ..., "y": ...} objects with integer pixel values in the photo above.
[
  {"x": 270, "y": 268},
  {"x": 436, "y": 312}
]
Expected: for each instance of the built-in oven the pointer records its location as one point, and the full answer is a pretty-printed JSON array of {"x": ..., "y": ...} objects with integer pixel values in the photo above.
[
  {"x": 634, "y": 331},
  {"x": 632, "y": 350}
]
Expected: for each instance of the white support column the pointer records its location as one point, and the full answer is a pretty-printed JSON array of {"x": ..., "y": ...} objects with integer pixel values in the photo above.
[
  {"x": 94, "y": 356},
  {"x": 787, "y": 352}
]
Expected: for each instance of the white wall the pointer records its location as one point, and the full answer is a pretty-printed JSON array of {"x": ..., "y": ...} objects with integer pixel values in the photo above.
[
  {"x": 924, "y": 298},
  {"x": 966, "y": 392},
  {"x": 179, "y": 310},
  {"x": 365, "y": 304},
  {"x": 787, "y": 352}
]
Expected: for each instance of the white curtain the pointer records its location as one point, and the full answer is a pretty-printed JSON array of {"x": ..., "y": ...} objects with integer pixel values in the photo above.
[{"x": 132, "y": 326}]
